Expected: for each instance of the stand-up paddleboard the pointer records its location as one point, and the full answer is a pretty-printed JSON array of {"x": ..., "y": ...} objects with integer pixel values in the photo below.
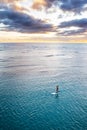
[{"x": 54, "y": 93}]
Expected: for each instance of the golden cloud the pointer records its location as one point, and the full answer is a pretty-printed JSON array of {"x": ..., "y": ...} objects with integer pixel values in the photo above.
[
  {"x": 10, "y": 1},
  {"x": 38, "y": 4},
  {"x": 16, "y": 6}
]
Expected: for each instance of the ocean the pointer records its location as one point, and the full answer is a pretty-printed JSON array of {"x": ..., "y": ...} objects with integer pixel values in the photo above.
[{"x": 29, "y": 74}]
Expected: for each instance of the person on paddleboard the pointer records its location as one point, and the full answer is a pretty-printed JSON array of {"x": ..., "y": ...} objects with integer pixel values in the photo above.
[{"x": 57, "y": 89}]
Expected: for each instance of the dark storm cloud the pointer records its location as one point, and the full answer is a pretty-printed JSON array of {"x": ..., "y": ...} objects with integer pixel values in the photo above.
[
  {"x": 72, "y": 5},
  {"x": 82, "y": 23},
  {"x": 21, "y": 22}
]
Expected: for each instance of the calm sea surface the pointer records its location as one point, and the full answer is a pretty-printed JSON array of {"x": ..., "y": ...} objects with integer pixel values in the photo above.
[{"x": 29, "y": 74}]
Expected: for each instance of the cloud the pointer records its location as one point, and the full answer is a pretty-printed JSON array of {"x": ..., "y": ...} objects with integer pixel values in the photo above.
[
  {"x": 38, "y": 4},
  {"x": 15, "y": 5},
  {"x": 66, "y": 5},
  {"x": 9, "y": 1},
  {"x": 21, "y": 22},
  {"x": 18, "y": 7},
  {"x": 72, "y": 5},
  {"x": 82, "y": 23},
  {"x": 72, "y": 32}
]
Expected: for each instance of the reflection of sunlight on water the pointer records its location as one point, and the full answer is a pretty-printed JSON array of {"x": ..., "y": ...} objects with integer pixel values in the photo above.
[{"x": 42, "y": 59}]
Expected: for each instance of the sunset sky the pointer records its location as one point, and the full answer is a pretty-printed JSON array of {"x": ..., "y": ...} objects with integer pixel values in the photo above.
[{"x": 56, "y": 21}]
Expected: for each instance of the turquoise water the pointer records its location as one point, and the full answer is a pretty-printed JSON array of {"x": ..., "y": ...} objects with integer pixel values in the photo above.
[{"x": 28, "y": 76}]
